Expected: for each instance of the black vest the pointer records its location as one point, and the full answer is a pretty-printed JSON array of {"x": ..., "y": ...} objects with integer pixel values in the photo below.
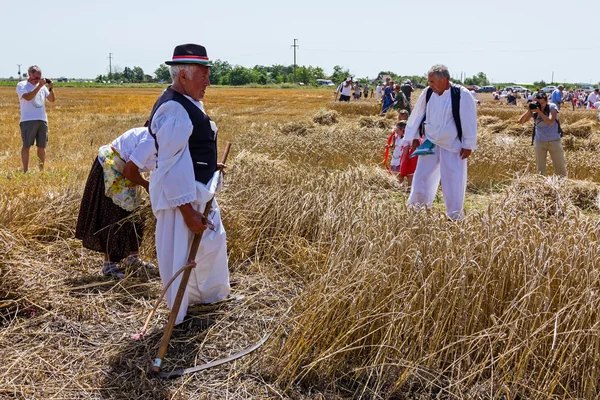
[{"x": 202, "y": 142}]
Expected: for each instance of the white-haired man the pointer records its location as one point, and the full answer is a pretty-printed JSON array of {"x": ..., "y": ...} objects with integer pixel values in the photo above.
[
  {"x": 185, "y": 179},
  {"x": 448, "y": 116}
]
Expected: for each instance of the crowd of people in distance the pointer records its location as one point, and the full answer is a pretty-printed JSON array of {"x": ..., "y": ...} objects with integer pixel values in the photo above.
[
  {"x": 577, "y": 98},
  {"x": 354, "y": 89}
]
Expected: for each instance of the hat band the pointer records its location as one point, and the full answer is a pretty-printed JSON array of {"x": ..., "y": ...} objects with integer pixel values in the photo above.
[{"x": 191, "y": 59}]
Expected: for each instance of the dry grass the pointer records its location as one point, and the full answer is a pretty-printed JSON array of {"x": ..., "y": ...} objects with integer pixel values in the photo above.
[{"x": 367, "y": 299}]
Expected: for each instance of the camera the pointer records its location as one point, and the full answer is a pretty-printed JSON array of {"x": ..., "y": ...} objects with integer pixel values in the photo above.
[
  {"x": 48, "y": 81},
  {"x": 533, "y": 105}
]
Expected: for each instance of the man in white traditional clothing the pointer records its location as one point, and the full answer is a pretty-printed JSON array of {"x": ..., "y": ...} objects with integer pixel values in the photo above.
[
  {"x": 185, "y": 179},
  {"x": 450, "y": 135}
]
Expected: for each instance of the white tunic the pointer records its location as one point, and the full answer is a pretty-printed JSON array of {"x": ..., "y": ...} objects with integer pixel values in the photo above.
[{"x": 440, "y": 127}]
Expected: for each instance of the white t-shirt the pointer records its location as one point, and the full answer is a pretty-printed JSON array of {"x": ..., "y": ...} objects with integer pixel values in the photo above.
[
  {"x": 138, "y": 146},
  {"x": 346, "y": 89},
  {"x": 34, "y": 109}
]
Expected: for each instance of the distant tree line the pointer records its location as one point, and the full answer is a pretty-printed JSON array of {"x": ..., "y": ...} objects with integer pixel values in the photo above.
[
  {"x": 223, "y": 73},
  {"x": 128, "y": 75}
]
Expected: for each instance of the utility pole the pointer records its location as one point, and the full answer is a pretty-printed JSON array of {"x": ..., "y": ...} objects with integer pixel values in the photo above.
[
  {"x": 19, "y": 65},
  {"x": 109, "y": 66},
  {"x": 552, "y": 81},
  {"x": 294, "y": 46}
]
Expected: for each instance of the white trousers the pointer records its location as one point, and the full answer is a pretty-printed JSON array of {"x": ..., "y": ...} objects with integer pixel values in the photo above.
[
  {"x": 209, "y": 280},
  {"x": 452, "y": 171}
]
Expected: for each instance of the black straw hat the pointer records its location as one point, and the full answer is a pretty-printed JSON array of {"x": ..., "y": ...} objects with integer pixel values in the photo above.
[{"x": 189, "y": 54}]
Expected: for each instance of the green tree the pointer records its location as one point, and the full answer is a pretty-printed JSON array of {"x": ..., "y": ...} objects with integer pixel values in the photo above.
[
  {"x": 240, "y": 76},
  {"x": 218, "y": 71},
  {"x": 127, "y": 74},
  {"x": 339, "y": 74},
  {"x": 138, "y": 74},
  {"x": 162, "y": 73}
]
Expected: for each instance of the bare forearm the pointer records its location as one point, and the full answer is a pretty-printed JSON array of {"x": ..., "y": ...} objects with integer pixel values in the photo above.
[
  {"x": 525, "y": 117},
  {"x": 132, "y": 173},
  {"x": 32, "y": 94}
]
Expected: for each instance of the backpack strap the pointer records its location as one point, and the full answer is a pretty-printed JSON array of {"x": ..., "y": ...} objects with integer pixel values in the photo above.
[
  {"x": 422, "y": 125},
  {"x": 455, "y": 97}
]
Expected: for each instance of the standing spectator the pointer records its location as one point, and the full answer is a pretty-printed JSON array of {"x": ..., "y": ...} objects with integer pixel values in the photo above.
[
  {"x": 378, "y": 89},
  {"x": 449, "y": 148},
  {"x": 571, "y": 98},
  {"x": 366, "y": 90},
  {"x": 33, "y": 95},
  {"x": 345, "y": 89},
  {"x": 546, "y": 135},
  {"x": 557, "y": 96},
  {"x": 407, "y": 89},
  {"x": 400, "y": 101},
  {"x": 357, "y": 91},
  {"x": 592, "y": 98},
  {"x": 185, "y": 179},
  {"x": 388, "y": 97}
]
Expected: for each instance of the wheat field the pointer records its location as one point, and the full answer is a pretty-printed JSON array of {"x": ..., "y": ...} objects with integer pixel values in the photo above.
[{"x": 364, "y": 298}]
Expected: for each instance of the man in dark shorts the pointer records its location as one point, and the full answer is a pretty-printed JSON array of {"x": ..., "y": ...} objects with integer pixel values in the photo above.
[{"x": 33, "y": 95}]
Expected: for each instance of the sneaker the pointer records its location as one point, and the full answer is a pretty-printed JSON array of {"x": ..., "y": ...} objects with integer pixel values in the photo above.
[
  {"x": 111, "y": 269},
  {"x": 134, "y": 261}
]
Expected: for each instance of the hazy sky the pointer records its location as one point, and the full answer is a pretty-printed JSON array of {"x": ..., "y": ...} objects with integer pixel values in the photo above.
[{"x": 516, "y": 41}]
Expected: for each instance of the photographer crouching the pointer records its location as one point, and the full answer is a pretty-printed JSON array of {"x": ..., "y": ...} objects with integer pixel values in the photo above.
[{"x": 546, "y": 134}]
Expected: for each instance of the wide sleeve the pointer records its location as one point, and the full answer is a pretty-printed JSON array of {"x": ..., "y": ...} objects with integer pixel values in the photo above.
[
  {"x": 144, "y": 154},
  {"x": 468, "y": 120},
  {"x": 412, "y": 125},
  {"x": 173, "y": 127}
]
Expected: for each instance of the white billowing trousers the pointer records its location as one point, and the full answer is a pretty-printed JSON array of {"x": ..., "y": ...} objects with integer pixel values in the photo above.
[
  {"x": 209, "y": 280},
  {"x": 452, "y": 171}
]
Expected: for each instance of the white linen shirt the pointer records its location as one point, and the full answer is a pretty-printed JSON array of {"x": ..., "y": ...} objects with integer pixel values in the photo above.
[
  {"x": 172, "y": 183},
  {"x": 440, "y": 128},
  {"x": 136, "y": 145}
]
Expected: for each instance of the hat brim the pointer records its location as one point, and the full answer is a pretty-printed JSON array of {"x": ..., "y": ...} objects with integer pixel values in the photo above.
[{"x": 205, "y": 63}]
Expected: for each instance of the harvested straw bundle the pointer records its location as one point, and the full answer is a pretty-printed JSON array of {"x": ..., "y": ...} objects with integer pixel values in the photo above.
[
  {"x": 546, "y": 197},
  {"x": 582, "y": 128},
  {"x": 355, "y": 108},
  {"x": 326, "y": 117},
  {"x": 296, "y": 128},
  {"x": 375, "y": 122}
]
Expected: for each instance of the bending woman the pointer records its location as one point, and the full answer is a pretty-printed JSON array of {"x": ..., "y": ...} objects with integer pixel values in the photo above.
[{"x": 112, "y": 192}]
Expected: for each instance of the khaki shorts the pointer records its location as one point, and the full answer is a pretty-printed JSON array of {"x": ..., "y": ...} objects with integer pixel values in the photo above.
[{"x": 34, "y": 132}]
